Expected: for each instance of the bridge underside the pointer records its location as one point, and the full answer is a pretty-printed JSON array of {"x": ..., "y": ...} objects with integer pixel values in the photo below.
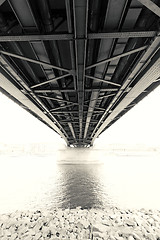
[{"x": 79, "y": 65}]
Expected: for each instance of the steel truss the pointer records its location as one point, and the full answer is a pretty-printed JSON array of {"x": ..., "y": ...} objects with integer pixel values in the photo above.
[{"x": 79, "y": 65}]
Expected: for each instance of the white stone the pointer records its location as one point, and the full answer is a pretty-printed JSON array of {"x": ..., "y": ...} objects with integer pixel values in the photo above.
[
  {"x": 51, "y": 224},
  {"x": 62, "y": 232},
  {"x": 106, "y": 222},
  {"x": 75, "y": 223},
  {"x": 156, "y": 218},
  {"x": 31, "y": 232},
  {"x": 31, "y": 225},
  {"x": 72, "y": 236},
  {"x": 150, "y": 221},
  {"x": 24, "y": 229},
  {"x": 98, "y": 227},
  {"x": 4, "y": 238},
  {"x": 97, "y": 234},
  {"x": 79, "y": 225},
  {"x": 151, "y": 236},
  {"x": 111, "y": 237},
  {"x": 85, "y": 223},
  {"x": 37, "y": 227},
  {"x": 4, "y": 218},
  {"x": 27, "y": 238},
  {"x": 129, "y": 222},
  {"x": 67, "y": 210},
  {"x": 131, "y": 238},
  {"x": 157, "y": 231},
  {"x": 13, "y": 236},
  {"x": 71, "y": 219},
  {"x": 113, "y": 217},
  {"x": 126, "y": 230},
  {"x": 143, "y": 230},
  {"x": 8, "y": 233},
  {"x": 137, "y": 237},
  {"x": 37, "y": 236}
]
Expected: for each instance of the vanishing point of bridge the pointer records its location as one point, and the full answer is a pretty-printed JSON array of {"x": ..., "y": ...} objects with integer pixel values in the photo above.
[{"x": 79, "y": 65}]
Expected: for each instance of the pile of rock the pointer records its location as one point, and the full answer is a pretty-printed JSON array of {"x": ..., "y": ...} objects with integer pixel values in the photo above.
[{"x": 97, "y": 224}]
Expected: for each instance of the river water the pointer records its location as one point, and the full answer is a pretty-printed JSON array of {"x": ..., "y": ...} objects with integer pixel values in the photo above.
[{"x": 39, "y": 182}]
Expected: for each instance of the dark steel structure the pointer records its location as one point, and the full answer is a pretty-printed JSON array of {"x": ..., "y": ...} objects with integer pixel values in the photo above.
[{"x": 79, "y": 65}]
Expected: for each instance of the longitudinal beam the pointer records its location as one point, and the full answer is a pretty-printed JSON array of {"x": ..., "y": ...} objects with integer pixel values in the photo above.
[
  {"x": 71, "y": 43},
  {"x": 71, "y": 128},
  {"x": 31, "y": 103},
  {"x": 80, "y": 10},
  {"x": 116, "y": 57},
  {"x": 35, "y": 61},
  {"x": 145, "y": 79},
  {"x": 92, "y": 103},
  {"x": 139, "y": 69}
]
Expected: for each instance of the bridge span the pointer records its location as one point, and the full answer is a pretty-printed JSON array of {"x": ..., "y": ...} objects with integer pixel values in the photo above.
[{"x": 79, "y": 65}]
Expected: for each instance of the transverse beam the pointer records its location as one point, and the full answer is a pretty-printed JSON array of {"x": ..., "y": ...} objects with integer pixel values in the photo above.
[
  {"x": 34, "y": 61},
  {"x": 116, "y": 57},
  {"x": 151, "y": 6}
]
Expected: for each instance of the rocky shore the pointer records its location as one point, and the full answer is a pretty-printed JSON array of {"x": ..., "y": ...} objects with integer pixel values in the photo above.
[{"x": 96, "y": 224}]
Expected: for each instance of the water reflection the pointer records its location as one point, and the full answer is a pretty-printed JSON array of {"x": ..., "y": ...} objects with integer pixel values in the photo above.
[
  {"x": 34, "y": 183},
  {"x": 79, "y": 186}
]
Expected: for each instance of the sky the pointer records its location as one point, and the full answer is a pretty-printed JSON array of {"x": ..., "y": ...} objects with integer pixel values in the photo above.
[
  {"x": 19, "y": 126},
  {"x": 140, "y": 125}
]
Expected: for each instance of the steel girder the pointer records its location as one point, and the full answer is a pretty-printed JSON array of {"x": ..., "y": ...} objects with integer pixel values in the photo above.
[
  {"x": 146, "y": 73},
  {"x": 151, "y": 5},
  {"x": 79, "y": 65},
  {"x": 70, "y": 36}
]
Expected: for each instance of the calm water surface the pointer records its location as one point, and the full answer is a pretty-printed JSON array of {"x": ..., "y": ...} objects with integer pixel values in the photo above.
[{"x": 38, "y": 182}]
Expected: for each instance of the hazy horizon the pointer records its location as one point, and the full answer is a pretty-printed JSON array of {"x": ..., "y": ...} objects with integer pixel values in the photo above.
[{"x": 139, "y": 126}]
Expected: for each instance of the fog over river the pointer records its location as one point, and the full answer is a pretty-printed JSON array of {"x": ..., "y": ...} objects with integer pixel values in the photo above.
[{"x": 94, "y": 179}]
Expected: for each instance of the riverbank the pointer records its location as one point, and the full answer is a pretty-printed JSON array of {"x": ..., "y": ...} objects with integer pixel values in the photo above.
[{"x": 97, "y": 224}]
